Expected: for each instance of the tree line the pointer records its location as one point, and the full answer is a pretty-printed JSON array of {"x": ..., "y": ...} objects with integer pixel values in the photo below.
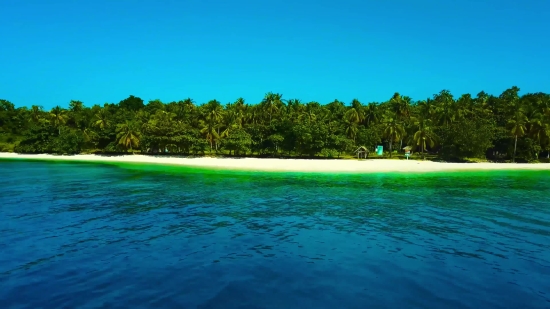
[{"x": 503, "y": 127}]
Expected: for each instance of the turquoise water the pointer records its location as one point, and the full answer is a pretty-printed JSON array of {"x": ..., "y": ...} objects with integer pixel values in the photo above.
[{"x": 80, "y": 235}]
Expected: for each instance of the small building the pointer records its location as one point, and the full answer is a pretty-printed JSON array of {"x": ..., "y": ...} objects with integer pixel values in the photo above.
[
  {"x": 362, "y": 152},
  {"x": 407, "y": 150}
]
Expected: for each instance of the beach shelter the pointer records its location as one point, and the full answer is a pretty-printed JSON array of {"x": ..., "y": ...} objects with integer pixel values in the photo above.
[
  {"x": 362, "y": 152},
  {"x": 407, "y": 150}
]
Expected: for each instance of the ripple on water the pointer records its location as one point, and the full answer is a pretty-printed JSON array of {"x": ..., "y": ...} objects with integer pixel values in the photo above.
[{"x": 90, "y": 235}]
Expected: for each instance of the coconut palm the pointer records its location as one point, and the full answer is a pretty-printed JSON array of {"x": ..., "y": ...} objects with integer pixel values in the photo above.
[
  {"x": 393, "y": 129},
  {"x": 76, "y": 106},
  {"x": 517, "y": 126},
  {"x": 372, "y": 113},
  {"x": 351, "y": 129},
  {"x": 444, "y": 108},
  {"x": 208, "y": 128},
  {"x": 359, "y": 109},
  {"x": 424, "y": 135},
  {"x": 309, "y": 113},
  {"x": 102, "y": 119},
  {"x": 272, "y": 102},
  {"x": 128, "y": 135},
  {"x": 58, "y": 116},
  {"x": 352, "y": 115},
  {"x": 231, "y": 120},
  {"x": 401, "y": 107},
  {"x": 36, "y": 113},
  {"x": 426, "y": 108}
]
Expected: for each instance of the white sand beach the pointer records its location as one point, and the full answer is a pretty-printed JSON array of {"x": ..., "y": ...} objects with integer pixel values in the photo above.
[{"x": 298, "y": 165}]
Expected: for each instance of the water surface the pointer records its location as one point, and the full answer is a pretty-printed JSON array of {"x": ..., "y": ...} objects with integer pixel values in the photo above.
[{"x": 81, "y": 235}]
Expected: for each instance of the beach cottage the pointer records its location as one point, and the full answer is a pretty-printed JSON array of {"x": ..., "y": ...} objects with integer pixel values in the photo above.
[{"x": 362, "y": 152}]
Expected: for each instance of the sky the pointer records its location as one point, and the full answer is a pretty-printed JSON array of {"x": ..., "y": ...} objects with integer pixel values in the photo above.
[{"x": 55, "y": 51}]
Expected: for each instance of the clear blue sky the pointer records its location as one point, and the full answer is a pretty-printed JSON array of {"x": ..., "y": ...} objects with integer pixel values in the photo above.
[{"x": 101, "y": 51}]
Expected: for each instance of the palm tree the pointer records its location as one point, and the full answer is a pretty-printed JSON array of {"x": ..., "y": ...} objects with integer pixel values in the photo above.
[
  {"x": 517, "y": 128},
  {"x": 351, "y": 129},
  {"x": 309, "y": 113},
  {"x": 253, "y": 114},
  {"x": 58, "y": 117},
  {"x": 272, "y": 101},
  {"x": 545, "y": 136},
  {"x": 393, "y": 129},
  {"x": 464, "y": 107},
  {"x": 372, "y": 114},
  {"x": 36, "y": 113},
  {"x": 426, "y": 108},
  {"x": 231, "y": 120},
  {"x": 352, "y": 115},
  {"x": 423, "y": 136},
  {"x": 127, "y": 135},
  {"x": 351, "y": 121},
  {"x": 208, "y": 128},
  {"x": 538, "y": 127},
  {"x": 240, "y": 108},
  {"x": 401, "y": 107},
  {"x": 359, "y": 109},
  {"x": 76, "y": 106},
  {"x": 294, "y": 109},
  {"x": 102, "y": 119},
  {"x": 213, "y": 116},
  {"x": 444, "y": 107}
]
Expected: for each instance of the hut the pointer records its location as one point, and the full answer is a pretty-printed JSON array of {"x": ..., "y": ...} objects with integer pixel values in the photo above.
[
  {"x": 407, "y": 150},
  {"x": 362, "y": 152}
]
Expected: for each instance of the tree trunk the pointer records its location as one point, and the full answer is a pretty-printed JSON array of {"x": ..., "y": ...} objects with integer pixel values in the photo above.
[
  {"x": 423, "y": 157},
  {"x": 390, "y": 149},
  {"x": 515, "y": 147}
]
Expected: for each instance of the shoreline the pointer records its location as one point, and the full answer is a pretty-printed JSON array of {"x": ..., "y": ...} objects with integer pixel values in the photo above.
[{"x": 289, "y": 165}]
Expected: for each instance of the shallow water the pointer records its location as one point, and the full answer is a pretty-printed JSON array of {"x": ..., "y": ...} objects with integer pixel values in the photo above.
[{"x": 80, "y": 235}]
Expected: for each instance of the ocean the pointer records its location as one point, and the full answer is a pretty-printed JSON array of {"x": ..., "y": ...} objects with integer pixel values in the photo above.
[{"x": 95, "y": 235}]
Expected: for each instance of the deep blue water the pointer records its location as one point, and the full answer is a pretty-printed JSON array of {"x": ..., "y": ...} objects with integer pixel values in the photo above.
[{"x": 77, "y": 235}]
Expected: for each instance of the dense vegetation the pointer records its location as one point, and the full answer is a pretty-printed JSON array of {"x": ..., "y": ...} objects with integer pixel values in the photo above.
[{"x": 504, "y": 127}]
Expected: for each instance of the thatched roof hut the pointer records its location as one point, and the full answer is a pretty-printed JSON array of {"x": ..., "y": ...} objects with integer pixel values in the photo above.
[{"x": 362, "y": 152}]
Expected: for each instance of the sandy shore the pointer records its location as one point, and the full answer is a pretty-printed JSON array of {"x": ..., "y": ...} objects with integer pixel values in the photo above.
[{"x": 298, "y": 165}]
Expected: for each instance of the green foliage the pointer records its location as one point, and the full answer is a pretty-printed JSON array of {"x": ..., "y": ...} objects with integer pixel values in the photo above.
[
  {"x": 128, "y": 135},
  {"x": 40, "y": 138},
  {"x": 238, "y": 142},
  {"x": 503, "y": 127},
  {"x": 467, "y": 138},
  {"x": 528, "y": 149},
  {"x": 370, "y": 136},
  {"x": 68, "y": 141},
  {"x": 44, "y": 138},
  {"x": 329, "y": 153},
  {"x": 131, "y": 103}
]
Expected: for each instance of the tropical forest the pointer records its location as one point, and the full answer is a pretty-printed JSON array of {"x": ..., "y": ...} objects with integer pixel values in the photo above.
[{"x": 505, "y": 128}]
